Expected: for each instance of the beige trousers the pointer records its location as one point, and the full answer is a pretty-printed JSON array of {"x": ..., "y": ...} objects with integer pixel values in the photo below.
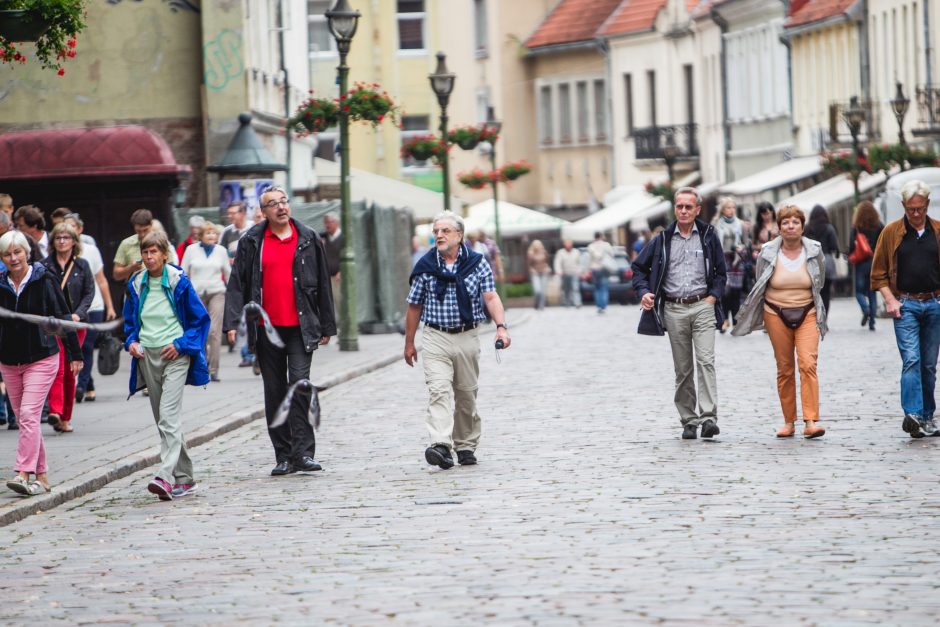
[
  {"x": 451, "y": 371},
  {"x": 215, "y": 305},
  {"x": 691, "y": 330},
  {"x": 804, "y": 341},
  {"x": 165, "y": 381},
  {"x": 336, "y": 284}
]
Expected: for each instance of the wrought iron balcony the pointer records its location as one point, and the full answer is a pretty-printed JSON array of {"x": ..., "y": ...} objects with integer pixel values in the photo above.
[
  {"x": 650, "y": 141},
  {"x": 928, "y": 111}
]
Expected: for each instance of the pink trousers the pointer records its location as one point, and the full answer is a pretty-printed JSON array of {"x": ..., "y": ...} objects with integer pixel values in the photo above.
[{"x": 27, "y": 387}]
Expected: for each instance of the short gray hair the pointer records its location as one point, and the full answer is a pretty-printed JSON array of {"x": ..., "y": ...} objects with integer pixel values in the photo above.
[
  {"x": 77, "y": 219},
  {"x": 272, "y": 189},
  {"x": 14, "y": 238},
  {"x": 914, "y": 188},
  {"x": 453, "y": 217},
  {"x": 688, "y": 190},
  {"x": 332, "y": 215}
]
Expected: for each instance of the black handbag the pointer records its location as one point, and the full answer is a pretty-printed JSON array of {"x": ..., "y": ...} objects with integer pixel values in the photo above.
[{"x": 109, "y": 353}]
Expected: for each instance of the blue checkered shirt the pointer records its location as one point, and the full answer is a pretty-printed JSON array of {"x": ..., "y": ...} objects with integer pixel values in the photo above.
[{"x": 446, "y": 313}]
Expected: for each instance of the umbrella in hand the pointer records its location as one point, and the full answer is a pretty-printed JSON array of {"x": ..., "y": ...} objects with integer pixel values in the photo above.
[{"x": 313, "y": 412}]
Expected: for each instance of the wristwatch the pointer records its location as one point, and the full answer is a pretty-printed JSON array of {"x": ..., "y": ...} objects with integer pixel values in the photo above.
[{"x": 502, "y": 325}]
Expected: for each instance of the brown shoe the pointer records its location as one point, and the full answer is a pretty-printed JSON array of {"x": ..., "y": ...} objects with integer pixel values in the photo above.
[
  {"x": 787, "y": 430},
  {"x": 813, "y": 430}
]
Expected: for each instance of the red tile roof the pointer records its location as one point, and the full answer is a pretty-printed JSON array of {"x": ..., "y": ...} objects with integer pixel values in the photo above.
[
  {"x": 636, "y": 16},
  {"x": 811, "y": 11},
  {"x": 572, "y": 21}
]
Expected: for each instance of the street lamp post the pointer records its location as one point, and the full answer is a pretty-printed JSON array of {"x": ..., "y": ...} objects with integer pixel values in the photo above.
[
  {"x": 899, "y": 105},
  {"x": 494, "y": 126},
  {"x": 343, "y": 20},
  {"x": 854, "y": 116},
  {"x": 670, "y": 154},
  {"x": 442, "y": 83}
]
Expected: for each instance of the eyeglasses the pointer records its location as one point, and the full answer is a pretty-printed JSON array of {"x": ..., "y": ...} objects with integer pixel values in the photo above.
[
  {"x": 915, "y": 209},
  {"x": 685, "y": 207},
  {"x": 283, "y": 202},
  {"x": 437, "y": 232},
  {"x": 64, "y": 238}
]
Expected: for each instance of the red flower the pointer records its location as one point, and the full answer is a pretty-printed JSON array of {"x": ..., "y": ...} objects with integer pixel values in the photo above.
[
  {"x": 346, "y": 109},
  {"x": 72, "y": 43},
  {"x": 380, "y": 118},
  {"x": 71, "y": 54},
  {"x": 61, "y": 72}
]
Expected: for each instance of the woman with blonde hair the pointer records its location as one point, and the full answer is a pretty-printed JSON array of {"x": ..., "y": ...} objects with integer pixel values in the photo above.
[
  {"x": 787, "y": 301},
  {"x": 867, "y": 223},
  {"x": 207, "y": 265},
  {"x": 539, "y": 269}
]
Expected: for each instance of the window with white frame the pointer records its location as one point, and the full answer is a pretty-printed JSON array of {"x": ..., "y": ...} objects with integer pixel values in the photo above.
[
  {"x": 411, "y": 25},
  {"x": 564, "y": 112},
  {"x": 581, "y": 92},
  {"x": 479, "y": 22},
  {"x": 546, "y": 119},
  {"x": 600, "y": 109},
  {"x": 414, "y": 126},
  {"x": 320, "y": 39}
]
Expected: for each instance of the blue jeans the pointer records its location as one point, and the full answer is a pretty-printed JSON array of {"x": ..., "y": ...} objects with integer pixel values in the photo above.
[
  {"x": 866, "y": 298},
  {"x": 918, "y": 335},
  {"x": 601, "y": 288}
]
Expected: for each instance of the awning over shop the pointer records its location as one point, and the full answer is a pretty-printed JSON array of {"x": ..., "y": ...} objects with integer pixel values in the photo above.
[
  {"x": 834, "y": 191},
  {"x": 779, "y": 175},
  {"x": 367, "y": 186},
  {"x": 513, "y": 219},
  {"x": 611, "y": 217}
]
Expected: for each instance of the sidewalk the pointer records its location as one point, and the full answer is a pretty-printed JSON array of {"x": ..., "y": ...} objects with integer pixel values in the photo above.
[{"x": 115, "y": 437}]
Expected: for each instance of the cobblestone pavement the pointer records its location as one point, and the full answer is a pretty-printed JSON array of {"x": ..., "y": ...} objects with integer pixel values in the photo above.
[{"x": 585, "y": 508}]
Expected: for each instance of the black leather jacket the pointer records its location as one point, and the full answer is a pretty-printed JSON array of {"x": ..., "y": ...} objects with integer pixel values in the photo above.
[{"x": 80, "y": 287}]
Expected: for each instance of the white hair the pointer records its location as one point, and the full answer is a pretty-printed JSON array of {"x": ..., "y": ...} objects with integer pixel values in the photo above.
[
  {"x": 453, "y": 217},
  {"x": 725, "y": 201},
  {"x": 11, "y": 239},
  {"x": 688, "y": 190},
  {"x": 914, "y": 188}
]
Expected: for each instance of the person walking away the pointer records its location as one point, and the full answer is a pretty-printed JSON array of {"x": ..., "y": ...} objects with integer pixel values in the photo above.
[
  {"x": 166, "y": 327},
  {"x": 865, "y": 223},
  {"x": 821, "y": 230},
  {"x": 207, "y": 266},
  {"x": 568, "y": 267},
  {"x": 450, "y": 286},
  {"x": 75, "y": 279},
  {"x": 787, "y": 301},
  {"x": 537, "y": 262},
  {"x": 29, "y": 359},
  {"x": 680, "y": 277},
  {"x": 906, "y": 270},
  {"x": 101, "y": 309},
  {"x": 281, "y": 265},
  {"x": 601, "y": 260}
]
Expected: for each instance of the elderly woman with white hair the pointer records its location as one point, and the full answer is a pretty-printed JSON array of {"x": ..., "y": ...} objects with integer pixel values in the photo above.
[
  {"x": 30, "y": 357},
  {"x": 208, "y": 267},
  {"x": 906, "y": 270}
]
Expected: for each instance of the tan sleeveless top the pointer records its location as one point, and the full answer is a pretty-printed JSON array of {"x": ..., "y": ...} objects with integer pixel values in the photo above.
[{"x": 790, "y": 285}]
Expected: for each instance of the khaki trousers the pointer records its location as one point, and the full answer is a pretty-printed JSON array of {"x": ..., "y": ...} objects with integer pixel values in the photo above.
[
  {"x": 451, "y": 371},
  {"x": 336, "y": 285},
  {"x": 691, "y": 330},
  {"x": 215, "y": 305},
  {"x": 165, "y": 381},
  {"x": 805, "y": 341}
]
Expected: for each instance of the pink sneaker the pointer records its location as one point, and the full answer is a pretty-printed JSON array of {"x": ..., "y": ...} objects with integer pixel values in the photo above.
[
  {"x": 182, "y": 489},
  {"x": 161, "y": 488}
]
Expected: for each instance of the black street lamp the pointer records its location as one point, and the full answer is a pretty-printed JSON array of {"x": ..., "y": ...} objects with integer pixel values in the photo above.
[
  {"x": 670, "y": 154},
  {"x": 442, "y": 83},
  {"x": 494, "y": 126},
  {"x": 854, "y": 116},
  {"x": 900, "y": 105},
  {"x": 343, "y": 20}
]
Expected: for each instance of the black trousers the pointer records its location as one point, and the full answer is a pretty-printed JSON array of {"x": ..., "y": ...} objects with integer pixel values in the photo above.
[{"x": 281, "y": 368}]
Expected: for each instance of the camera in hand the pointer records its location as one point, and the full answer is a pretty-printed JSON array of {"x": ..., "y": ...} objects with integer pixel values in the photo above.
[{"x": 500, "y": 345}]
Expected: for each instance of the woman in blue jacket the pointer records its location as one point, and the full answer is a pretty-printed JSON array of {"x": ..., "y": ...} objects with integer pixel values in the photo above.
[{"x": 166, "y": 327}]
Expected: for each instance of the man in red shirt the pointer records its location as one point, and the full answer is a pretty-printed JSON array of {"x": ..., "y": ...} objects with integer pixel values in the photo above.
[{"x": 281, "y": 264}]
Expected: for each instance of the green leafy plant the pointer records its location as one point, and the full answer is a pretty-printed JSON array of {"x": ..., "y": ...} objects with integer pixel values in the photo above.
[
  {"x": 845, "y": 162},
  {"x": 663, "y": 190},
  {"x": 513, "y": 170},
  {"x": 364, "y": 103},
  {"x": 314, "y": 115},
  {"x": 424, "y": 147},
  {"x": 478, "y": 179},
  {"x": 468, "y": 137},
  {"x": 57, "y": 43},
  {"x": 886, "y": 156}
]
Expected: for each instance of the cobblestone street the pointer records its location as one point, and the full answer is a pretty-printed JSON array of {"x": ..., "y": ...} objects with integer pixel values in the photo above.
[{"x": 586, "y": 507}]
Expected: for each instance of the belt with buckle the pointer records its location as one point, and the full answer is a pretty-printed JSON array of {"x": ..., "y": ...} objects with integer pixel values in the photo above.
[
  {"x": 691, "y": 300},
  {"x": 452, "y": 330},
  {"x": 921, "y": 295}
]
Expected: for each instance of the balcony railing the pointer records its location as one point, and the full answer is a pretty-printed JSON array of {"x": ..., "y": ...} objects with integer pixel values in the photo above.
[
  {"x": 651, "y": 140},
  {"x": 870, "y": 131},
  {"x": 928, "y": 110}
]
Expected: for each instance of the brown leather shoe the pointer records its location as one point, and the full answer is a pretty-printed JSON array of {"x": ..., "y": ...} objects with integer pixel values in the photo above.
[
  {"x": 787, "y": 430},
  {"x": 813, "y": 430}
]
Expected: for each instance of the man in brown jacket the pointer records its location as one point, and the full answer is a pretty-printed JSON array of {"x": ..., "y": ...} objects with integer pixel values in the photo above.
[{"x": 906, "y": 270}]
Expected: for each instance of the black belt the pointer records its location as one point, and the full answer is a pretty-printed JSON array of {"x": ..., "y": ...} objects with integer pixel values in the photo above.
[
  {"x": 685, "y": 301},
  {"x": 921, "y": 295},
  {"x": 452, "y": 330}
]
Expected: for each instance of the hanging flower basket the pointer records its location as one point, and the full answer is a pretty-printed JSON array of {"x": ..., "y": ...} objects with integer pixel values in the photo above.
[
  {"x": 663, "y": 190},
  {"x": 365, "y": 103},
  {"x": 512, "y": 171},
  {"x": 844, "y": 161},
  {"x": 423, "y": 148},
  {"x": 469, "y": 137},
  {"x": 51, "y": 24},
  {"x": 475, "y": 179},
  {"x": 314, "y": 115}
]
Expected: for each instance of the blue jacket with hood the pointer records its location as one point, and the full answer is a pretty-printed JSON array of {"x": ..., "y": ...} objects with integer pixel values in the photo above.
[{"x": 190, "y": 312}]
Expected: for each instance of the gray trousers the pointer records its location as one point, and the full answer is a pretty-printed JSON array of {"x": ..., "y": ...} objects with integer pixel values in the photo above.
[
  {"x": 165, "y": 381},
  {"x": 691, "y": 330}
]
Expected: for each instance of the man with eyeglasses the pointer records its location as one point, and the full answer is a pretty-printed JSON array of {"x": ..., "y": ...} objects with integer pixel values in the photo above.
[
  {"x": 906, "y": 270},
  {"x": 680, "y": 277},
  {"x": 281, "y": 264},
  {"x": 449, "y": 287}
]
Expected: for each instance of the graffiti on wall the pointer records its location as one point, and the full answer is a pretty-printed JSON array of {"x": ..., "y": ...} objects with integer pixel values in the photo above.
[
  {"x": 222, "y": 59},
  {"x": 174, "y": 5}
]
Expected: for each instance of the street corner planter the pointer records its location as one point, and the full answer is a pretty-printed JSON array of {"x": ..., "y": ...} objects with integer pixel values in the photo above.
[
  {"x": 18, "y": 25},
  {"x": 421, "y": 154},
  {"x": 469, "y": 143}
]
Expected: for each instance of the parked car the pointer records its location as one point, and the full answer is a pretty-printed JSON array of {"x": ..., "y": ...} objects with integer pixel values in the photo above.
[{"x": 620, "y": 282}]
